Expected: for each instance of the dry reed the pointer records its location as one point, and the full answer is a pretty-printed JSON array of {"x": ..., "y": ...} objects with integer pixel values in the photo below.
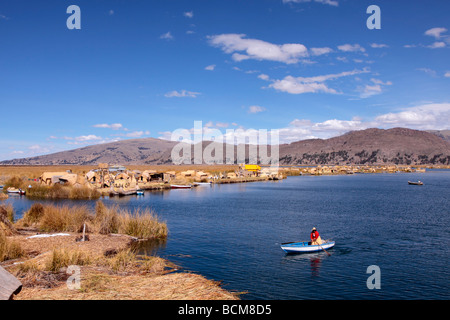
[{"x": 9, "y": 249}]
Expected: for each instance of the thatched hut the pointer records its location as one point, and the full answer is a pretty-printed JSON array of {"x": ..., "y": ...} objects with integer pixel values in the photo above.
[
  {"x": 92, "y": 177},
  {"x": 50, "y": 178},
  {"x": 188, "y": 173},
  {"x": 70, "y": 178}
]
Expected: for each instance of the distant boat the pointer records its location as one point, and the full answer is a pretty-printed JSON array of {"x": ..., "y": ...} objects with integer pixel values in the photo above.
[
  {"x": 200, "y": 184},
  {"x": 418, "y": 183},
  {"x": 121, "y": 192},
  {"x": 305, "y": 247},
  {"x": 16, "y": 191},
  {"x": 177, "y": 186},
  {"x": 140, "y": 192}
]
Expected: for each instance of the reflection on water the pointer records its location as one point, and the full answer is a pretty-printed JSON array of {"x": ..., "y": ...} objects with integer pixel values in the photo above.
[
  {"x": 231, "y": 233},
  {"x": 314, "y": 259},
  {"x": 149, "y": 247}
]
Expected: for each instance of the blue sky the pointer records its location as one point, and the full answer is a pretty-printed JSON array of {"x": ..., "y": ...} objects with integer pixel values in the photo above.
[{"x": 310, "y": 68}]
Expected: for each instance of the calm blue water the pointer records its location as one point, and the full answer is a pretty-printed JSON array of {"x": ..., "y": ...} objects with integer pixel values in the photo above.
[{"x": 232, "y": 233}]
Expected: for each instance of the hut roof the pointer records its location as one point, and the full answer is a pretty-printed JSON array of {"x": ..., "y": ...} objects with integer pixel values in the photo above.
[
  {"x": 49, "y": 175},
  {"x": 70, "y": 178},
  {"x": 91, "y": 174},
  {"x": 122, "y": 175}
]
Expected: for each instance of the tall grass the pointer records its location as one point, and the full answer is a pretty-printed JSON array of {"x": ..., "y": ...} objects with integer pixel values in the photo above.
[
  {"x": 62, "y": 258},
  {"x": 9, "y": 249},
  {"x": 64, "y": 218},
  {"x": 14, "y": 182},
  {"x": 106, "y": 219},
  {"x": 58, "y": 191},
  {"x": 141, "y": 223}
]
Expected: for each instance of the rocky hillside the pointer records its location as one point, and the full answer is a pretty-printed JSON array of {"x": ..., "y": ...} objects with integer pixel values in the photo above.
[
  {"x": 135, "y": 151},
  {"x": 371, "y": 146}
]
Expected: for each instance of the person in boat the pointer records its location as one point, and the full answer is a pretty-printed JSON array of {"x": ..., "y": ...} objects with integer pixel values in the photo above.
[{"x": 315, "y": 237}]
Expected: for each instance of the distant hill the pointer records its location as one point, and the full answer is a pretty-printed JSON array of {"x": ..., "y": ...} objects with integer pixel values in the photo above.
[
  {"x": 444, "y": 134},
  {"x": 371, "y": 146},
  {"x": 135, "y": 151}
]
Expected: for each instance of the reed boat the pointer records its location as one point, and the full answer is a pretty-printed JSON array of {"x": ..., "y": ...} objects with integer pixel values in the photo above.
[
  {"x": 121, "y": 192},
  {"x": 418, "y": 183},
  {"x": 16, "y": 191},
  {"x": 177, "y": 186},
  {"x": 305, "y": 247},
  {"x": 200, "y": 184}
]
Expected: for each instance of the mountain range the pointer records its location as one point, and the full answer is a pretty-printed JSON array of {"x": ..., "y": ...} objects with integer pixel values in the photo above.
[{"x": 370, "y": 146}]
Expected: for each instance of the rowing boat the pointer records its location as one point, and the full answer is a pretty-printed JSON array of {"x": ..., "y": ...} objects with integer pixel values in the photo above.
[
  {"x": 418, "y": 183},
  {"x": 203, "y": 183},
  {"x": 304, "y": 247},
  {"x": 176, "y": 186}
]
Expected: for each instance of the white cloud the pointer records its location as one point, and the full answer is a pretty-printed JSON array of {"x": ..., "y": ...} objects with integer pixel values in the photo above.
[
  {"x": 428, "y": 71},
  {"x": 424, "y": 117},
  {"x": 373, "y": 89},
  {"x": 379, "y": 45},
  {"x": 256, "y": 109},
  {"x": 432, "y": 116},
  {"x": 351, "y": 48},
  {"x": 264, "y": 77},
  {"x": 111, "y": 12},
  {"x": 210, "y": 67},
  {"x": 90, "y": 137},
  {"x": 329, "y": 2},
  {"x": 189, "y": 14},
  {"x": 136, "y": 134},
  {"x": 320, "y": 51},
  {"x": 166, "y": 36},
  {"x": 315, "y": 84},
  {"x": 447, "y": 74},
  {"x": 435, "y": 32},
  {"x": 437, "y": 45},
  {"x": 222, "y": 125},
  {"x": 182, "y": 94},
  {"x": 243, "y": 49},
  {"x": 114, "y": 126}
]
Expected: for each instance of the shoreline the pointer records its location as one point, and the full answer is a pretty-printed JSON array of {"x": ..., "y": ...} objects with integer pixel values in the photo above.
[
  {"x": 107, "y": 264},
  {"x": 162, "y": 280}
]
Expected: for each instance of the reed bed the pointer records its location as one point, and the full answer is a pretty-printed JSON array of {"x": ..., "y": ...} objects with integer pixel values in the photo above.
[
  {"x": 141, "y": 223},
  {"x": 9, "y": 249},
  {"x": 57, "y": 191}
]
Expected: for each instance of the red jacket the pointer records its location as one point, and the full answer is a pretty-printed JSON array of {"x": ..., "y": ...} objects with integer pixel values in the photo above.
[{"x": 314, "y": 235}]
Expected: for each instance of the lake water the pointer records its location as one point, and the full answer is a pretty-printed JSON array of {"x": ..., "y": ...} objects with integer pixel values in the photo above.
[{"x": 232, "y": 233}]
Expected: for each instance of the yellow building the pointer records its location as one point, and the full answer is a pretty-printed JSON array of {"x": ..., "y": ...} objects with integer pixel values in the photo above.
[{"x": 252, "y": 167}]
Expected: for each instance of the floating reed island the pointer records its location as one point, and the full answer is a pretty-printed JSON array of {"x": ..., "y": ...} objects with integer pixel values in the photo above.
[
  {"x": 91, "y": 183},
  {"x": 40, "y": 248}
]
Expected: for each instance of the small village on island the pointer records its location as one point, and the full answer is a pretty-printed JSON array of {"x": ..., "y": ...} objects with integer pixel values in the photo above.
[{"x": 118, "y": 180}]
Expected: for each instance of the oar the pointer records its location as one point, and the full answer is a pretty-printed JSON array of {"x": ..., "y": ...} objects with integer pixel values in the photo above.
[{"x": 324, "y": 250}]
